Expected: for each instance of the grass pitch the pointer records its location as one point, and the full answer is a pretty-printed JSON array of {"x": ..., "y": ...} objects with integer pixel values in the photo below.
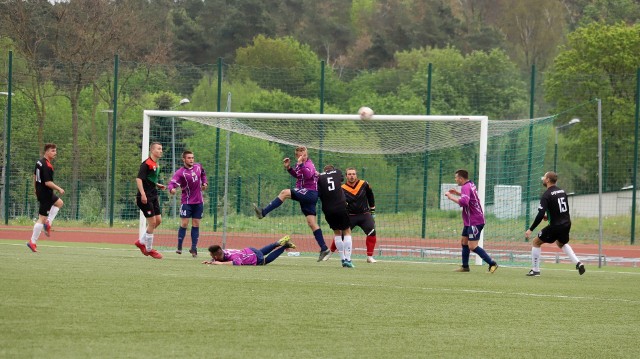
[{"x": 88, "y": 300}]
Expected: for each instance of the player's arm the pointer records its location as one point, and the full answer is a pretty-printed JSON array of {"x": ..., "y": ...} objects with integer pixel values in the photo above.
[
  {"x": 542, "y": 211},
  {"x": 370, "y": 197},
  {"x": 218, "y": 263},
  {"x": 143, "y": 196},
  {"x": 204, "y": 182},
  {"x": 461, "y": 198},
  {"x": 371, "y": 200},
  {"x": 54, "y": 187},
  {"x": 175, "y": 182}
]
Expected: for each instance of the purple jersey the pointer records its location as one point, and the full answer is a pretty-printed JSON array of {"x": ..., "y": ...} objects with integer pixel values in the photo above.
[
  {"x": 190, "y": 180},
  {"x": 472, "y": 214},
  {"x": 305, "y": 174},
  {"x": 240, "y": 257}
]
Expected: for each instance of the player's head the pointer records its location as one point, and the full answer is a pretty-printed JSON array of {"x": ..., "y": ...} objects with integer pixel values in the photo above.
[
  {"x": 549, "y": 179},
  {"x": 461, "y": 176},
  {"x": 50, "y": 150},
  {"x": 352, "y": 175},
  {"x": 216, "y": 252},
  {"x": 188, "y": 158},
  {"x": 328, "y": 168},
  {"x": 155, "y": 148},
  {"x": 301, "y": 151}
]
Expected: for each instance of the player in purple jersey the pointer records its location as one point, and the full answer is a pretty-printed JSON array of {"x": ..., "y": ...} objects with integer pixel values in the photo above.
[
  {"x": 50, "y": 204},
  {"x": 249, "y": 256},
  {"x": 192, "y": 181},
  {"x": 472, "y": 220},
  {"x": 554, "y": 206},
  {"x": 305, "y": 192}
]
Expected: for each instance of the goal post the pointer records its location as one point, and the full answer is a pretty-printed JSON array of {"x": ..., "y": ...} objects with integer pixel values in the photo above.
[{"x": 388, "y": 152}]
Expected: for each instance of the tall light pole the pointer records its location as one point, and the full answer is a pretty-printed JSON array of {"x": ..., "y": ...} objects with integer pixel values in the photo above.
[
  {"x": 555, "y": 147},
  {"x": 182, "y": 102}
]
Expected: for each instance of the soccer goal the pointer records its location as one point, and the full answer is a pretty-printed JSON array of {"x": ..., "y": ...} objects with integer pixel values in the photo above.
[{"x": 408, "y": 160}]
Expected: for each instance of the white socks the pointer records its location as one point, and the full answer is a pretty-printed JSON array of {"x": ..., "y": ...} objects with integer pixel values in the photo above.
[
  {"x": 339, "y": 246},
  {"x": 535, "y": 258},
  {"x": 37, "y": 229},
  {"x": 53, "y": 212},
  {"x": 148, "y": 241},
  {"x": 344, "y": 246},
  {"x": 348, "y": 244},
  {"x": 569, "y": 251}
]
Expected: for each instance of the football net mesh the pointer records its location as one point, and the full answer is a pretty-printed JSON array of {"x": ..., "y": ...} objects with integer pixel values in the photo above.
[{"x": 409, "y": 161}]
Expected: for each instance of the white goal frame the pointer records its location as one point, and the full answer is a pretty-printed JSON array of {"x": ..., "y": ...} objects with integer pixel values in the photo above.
[{"x": 482, "y": 151}]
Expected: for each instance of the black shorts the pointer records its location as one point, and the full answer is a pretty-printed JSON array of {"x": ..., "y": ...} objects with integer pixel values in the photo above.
[
  {"x": 364, "y": 221},
  {"x": 46, "y": 202},
  {"x": 550, "y": 234},
  {"x": 338, "y": 219},
  {"x": 151, "y": 208}
]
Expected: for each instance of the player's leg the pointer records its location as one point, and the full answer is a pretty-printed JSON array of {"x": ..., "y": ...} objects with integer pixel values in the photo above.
[
  {"x": 277, "y": 202},
  {"x": 348, "y": 247},
  {"x": 53, "y": 211},
  {"x": 308, "y": 200},
  {"x": 562, "y": 242},
  {"x": 369, "y": 227},
  {"x": 196, "y": 215},
  {"x": 182, "y": 230},
  {"x": 147, "y": 212},
  {"x": 536, "y": 250},
  {"x": 338, "y": 242},
  {"x": 312, "y": 222},
  {"x": 473, "y": 233},
  {"x": 38, "y": 226},
  {"x": 153, "y": 222},
  {"x": 48, "y": 208},
  {"x": 465, "y": 252},
  {"x": 274, "y": 250}
]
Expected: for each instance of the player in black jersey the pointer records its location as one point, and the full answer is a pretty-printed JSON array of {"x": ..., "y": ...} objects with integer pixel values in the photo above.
[
  {"x": 334, "y": 207},
  {"x": 50, "y": 204},
  {"x": 361, "y": 207},
  {"x": 148, "y": 184},
  {"x": 554, "y": 206}
]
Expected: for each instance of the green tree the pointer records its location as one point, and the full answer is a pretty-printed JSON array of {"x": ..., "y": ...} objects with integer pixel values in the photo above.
[
  {"x": 292, "y": 65},
  {"x": 599, "y": 60},
  {"x": 533, "y": 30},
  {"x": 584, "y": 12}
]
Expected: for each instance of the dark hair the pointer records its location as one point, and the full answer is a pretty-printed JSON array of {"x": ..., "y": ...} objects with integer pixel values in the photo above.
[
  {"x": 463, "y": 174},
  {"x": 328, "y": 168},
  {"x": 152, "y": 144},
  {"x": 48, "y": 146},
  {"x": 185, "y": 153},
  {"x": 214, "y": 248}
]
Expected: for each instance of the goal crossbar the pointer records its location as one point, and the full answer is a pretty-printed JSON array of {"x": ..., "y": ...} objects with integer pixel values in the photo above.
[{"x": 306, "y": 116}]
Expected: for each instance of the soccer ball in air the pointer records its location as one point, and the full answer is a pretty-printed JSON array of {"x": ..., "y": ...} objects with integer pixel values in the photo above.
[{"x": 365, "y": 113}]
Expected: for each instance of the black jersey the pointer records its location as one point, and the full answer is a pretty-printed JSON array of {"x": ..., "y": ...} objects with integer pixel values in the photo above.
[
  {"x": 43, "y": 173},
  {"x": 359, "y": 197},
  {"x": 149, "y": 173},
  {"x": 330, "y": 192},
  {"x": 555, "y": 205}
]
